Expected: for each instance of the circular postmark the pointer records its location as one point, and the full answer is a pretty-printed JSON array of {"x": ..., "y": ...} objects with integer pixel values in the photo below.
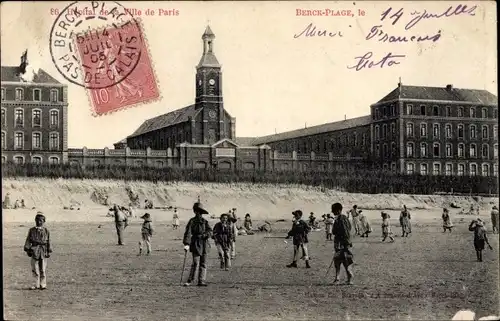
[{"x": 95, "y": 44}]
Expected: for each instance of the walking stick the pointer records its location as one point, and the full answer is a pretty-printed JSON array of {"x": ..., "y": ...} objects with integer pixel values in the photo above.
[
  {"x": 327, "y": 271},
  {"x": 183, "y": 265}
]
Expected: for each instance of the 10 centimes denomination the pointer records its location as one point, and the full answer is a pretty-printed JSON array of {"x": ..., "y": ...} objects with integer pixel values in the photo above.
[{"x": 95, "y": 44}]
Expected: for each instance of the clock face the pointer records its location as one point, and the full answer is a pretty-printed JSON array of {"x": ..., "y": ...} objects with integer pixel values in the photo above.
[
  {"x": 211, "y": 82},
  {"x": 212, "y": 114}
]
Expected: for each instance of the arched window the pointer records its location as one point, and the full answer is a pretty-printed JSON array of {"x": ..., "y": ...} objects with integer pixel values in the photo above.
[
  {"x": 485, "y": 151},
  {"x": 484, "y": 131},
  {"x": 436, "y": 149},
  {"x": 37, "y": 160},
  {"x": 409, "y": 130},
  {"x": 410, "y": 150},
  {"x": 485, "y": 170},
  {"x": 423, "y": 150},
  {"x": 473, "y": 169},
  {"x": 472, "y": 130}
]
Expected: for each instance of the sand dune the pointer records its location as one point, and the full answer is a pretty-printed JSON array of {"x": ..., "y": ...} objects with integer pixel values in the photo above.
[{"x": 262, "y": 201}]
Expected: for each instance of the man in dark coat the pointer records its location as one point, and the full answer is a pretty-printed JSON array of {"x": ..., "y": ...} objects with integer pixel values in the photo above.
[
  {"x": 342, "y": 242},
  {"x": 299, "y": 232},
  {"x": 196, "y": 240}
]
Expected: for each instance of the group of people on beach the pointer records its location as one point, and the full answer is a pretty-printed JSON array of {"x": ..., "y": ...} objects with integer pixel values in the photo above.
[{"x": 198, "y": 233}]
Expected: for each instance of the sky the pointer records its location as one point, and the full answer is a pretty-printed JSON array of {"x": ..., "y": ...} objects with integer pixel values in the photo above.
[{"x": 273, "y": 81}]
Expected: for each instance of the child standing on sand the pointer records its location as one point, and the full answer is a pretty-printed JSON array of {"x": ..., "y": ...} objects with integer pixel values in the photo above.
[
  {"x": 386, "y": 227},
  {"x": 175, "y": 219},
  {"x": 38, "y": 248},
  {"x": 146, "y": 233},
  {"x": 447, "y": 225},
  {"x": 480, "y": 238}
]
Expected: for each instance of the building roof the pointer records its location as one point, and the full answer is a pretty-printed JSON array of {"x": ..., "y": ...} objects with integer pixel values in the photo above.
[
  {"x": 11, "y": 73},
  {"x": 208, "y": 32},
  {"x": 174, "y": 117},
  {"x": 314, "y": 130},
  {"x": 477, "y": 96},
  {"x": 245, "y": 141},
  {"x": 208, "y": 60}
]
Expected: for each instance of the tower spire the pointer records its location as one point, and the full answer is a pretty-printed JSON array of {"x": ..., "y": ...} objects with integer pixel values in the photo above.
[{"x": 208, "y": 59}]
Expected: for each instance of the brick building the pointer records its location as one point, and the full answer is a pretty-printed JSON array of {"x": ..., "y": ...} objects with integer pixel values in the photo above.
[
  {"x": 414, "y": 129},
  {"x": 34, "y": 116},
  {"x": 203, "y": 123}
]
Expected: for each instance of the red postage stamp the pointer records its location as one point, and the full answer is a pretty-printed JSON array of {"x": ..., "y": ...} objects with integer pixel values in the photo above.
[{"x": 116, "y": 63}]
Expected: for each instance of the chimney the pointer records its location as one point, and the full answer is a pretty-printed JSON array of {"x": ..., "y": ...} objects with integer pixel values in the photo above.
[
  {"x": 345, "y": 117},
  {"x": 24, "y": 62},
  {"x": 449, "y": 87},
  {"x": 399, "y": 83}
]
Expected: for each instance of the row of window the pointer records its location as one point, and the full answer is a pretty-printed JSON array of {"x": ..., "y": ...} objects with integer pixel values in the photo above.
[
  {"x": 473, "y": 131},
  {"x": 327, "y": 145},
  {"x": 35, "y": 159},
  {"x": 436, "y": 148},
  {"x": 37, "y": 94},
  {"x": 36, "y": 140},
  {"x": 448, "y": 169},
  {"x": 36, "y": 119},
  {"x": 437, "y": 111}
]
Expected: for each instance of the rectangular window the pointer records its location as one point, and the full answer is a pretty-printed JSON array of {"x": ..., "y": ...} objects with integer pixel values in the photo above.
[
  {"x": 495, "y": 169},
  {"x": 449, "y": 169},
  {"x": 3, "y": 94},
  {"x": 460, "y": 131},
  {"x": 423, "y": 169},
  {"x": 485, "y": 170},
  {"x": 3, "y": 140},
  {"x": 448, "y": 131},
  {"x": 410, "y": 169},
  {"x": 54, "y": 95},
  {"x": 37, "y": 95},
  {"x": 4, "y": 118},
  {"x": 18, "y": 140},
  {"x": 461, "y": 150},
  {"x": 37, "y": 140},
  {"x": 54, "y": 160},
  {"x": 485, "y": 151},
  {"x": 409, "y": 130},
  {"x": 436, "y": 150},
  {"x": 436, "y": 170},
  {"x": 409, "y": 109},
  {"x": 54, "y": 141},
  {"x": 473, "y": 169},
  {"x": 495, "y": 150},
  {"x": 461, "y": 112},
  {"x": 19, "y": 117},
  {"x": 472, "y": 112},
  {"x": 423, "y": 130},
  {"x": 472, "y": 130},
  {"x": 484, "y": 113},
  {"x": 423, "y": 150},
  {"x": 495, "y": 132},
  {"x": 448, "y": 111},
  {"x": 409, "y": 150},
  {"x": 37, "y": 118},
  {"x": 435, "y": 111},
  {"x": 393, "y": 128},
  {"x": 19, "y": 94},
  {"x": 449, "y": 150},
  {"x": 422, "y": 110},
  {"x": 485, "y": 132},
  {"x": 435, "y": 130},
  {"x": 473, "y": 152},
  {"x": 461, "y": 169},
  {"x": 54, "y": 118}
]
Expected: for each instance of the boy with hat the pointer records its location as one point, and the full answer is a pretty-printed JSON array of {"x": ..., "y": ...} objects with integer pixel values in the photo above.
[
  {"x": 121, "y": 222},
  {"x": 299, "y": 232},
  {"x": 196, "y": 240},
  {"x": 342, "y": 243},
  {"x": 222, "y": 236},
  {"x": 37, "y": 246},
  {"x": 147, "y": 233},
  {"x": 480, "y": 238}
]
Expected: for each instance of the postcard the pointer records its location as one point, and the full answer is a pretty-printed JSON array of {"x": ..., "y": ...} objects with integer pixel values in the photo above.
[{"x": 253, "y": 160}]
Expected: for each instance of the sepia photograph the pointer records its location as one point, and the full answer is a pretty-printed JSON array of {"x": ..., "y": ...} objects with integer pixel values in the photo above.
[{"x": 249, "y": 160}]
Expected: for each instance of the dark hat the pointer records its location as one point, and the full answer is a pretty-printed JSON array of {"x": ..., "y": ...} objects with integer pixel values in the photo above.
[
  {"x": 198, "y": 207},
  {"x": 297, "y": 213},
  {"x": 146, "y": 216},
  {"x": 224, "y": 214}
]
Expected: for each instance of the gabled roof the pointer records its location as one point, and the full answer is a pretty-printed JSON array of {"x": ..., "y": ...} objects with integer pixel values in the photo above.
[
  {"x": 11, "y": 73},
  {"x": 225, "y": 141},
  {"x": 314, "y": 130},
  {"x": 174, "y": 117},
  {"x": 476, "y": 96}
]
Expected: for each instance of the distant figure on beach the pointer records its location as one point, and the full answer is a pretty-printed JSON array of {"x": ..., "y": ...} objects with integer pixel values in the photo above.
[
  {"x": 386, "y": 227},
  {"x": 175, "y": 222},
  {"x": 248, "y": 222},
  {"x": 121, "y": 222},
  {"x": 364, "y": 225},
  {"x": 405, "y": 221},
  {"x": 329, "y": 227},
  {"x": 6, "y": 201},
  {"x": 37, "y": 247},
  {"x": 447, "y": 225},
  {"x": 480, "y": 238},
  {"x": 355, "y": 219},
  {"x": 146, "y": 234},
  {"x": 495, "y": 219}
]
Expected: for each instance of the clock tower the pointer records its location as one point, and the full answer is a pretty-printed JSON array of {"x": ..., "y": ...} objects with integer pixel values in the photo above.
[{"x": 209, "y": 92}]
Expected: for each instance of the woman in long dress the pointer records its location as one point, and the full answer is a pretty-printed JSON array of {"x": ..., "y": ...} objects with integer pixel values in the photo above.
[
  {"x": 386, "y": 227},
  {"x": 405, "y": 221},
  {"x": 364, "y": 225},
  {"x": 447, "y": 225}
]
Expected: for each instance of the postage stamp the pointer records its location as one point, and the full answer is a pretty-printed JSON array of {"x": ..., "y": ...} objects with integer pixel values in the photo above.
[
  {"x": 100, "y": 46},
  {"x": 119, "y": 63}
]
